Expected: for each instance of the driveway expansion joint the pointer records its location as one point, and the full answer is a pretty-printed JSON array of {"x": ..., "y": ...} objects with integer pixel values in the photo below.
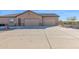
[{"x": 47, "y": 39}]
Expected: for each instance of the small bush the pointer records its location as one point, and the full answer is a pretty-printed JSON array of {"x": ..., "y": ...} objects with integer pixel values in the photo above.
[
  {"x": 40, "y": 24},
  {"x": 2, "y": 24}
]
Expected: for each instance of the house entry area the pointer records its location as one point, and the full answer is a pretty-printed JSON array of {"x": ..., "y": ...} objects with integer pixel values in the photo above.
[{"x": 19, "y": 21}]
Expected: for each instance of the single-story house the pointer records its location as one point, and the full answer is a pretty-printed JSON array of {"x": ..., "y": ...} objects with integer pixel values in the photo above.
[{"x": 30, "y": 18}]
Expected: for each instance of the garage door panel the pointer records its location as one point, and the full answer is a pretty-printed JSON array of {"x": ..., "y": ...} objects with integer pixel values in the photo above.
[
  {"x": 49, "y": 21},
  {"x": 31, "y": 22}
]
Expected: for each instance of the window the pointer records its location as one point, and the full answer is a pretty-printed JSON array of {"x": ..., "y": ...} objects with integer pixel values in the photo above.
[{"x": 11, "y": 20}]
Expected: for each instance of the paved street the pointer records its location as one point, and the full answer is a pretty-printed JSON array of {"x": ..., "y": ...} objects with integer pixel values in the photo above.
[{"x": 41, "y": 38}]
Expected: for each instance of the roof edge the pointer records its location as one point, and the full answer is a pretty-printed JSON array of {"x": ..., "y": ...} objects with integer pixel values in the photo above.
[{"x": 28, "y": 11}]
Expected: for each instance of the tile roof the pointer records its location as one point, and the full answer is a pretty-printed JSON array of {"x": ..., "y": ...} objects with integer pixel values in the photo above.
[
  {"x": 48, "y": 14},
  {"x": 9, "y": 15}
]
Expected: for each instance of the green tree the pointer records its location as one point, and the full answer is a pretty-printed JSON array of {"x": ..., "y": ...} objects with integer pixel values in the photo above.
[{"x": 72, "y": 20}]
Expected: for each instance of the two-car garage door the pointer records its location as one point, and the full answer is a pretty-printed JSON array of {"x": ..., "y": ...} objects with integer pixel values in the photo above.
[
  {"x": 45, "y": 21},
  {"x": 31, "y": 22}
]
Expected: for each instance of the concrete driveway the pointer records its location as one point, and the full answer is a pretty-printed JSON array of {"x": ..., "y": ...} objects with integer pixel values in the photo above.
[{"x": 40, "y": 38}]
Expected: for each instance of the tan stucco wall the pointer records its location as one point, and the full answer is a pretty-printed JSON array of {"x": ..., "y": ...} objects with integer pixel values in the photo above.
[
  {"x": 28, "y": 18},
  {"x": 6, "y": 20},
  {"x": 50, "y": 20}
]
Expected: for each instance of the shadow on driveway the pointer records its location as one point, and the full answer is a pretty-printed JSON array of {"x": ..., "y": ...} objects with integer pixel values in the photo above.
[
  {"x": 25, "y": 27},
  {"x": 30, "y": 27}
]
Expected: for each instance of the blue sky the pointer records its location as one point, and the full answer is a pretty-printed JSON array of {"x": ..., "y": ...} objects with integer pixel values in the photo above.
[{"x": 64, "y": 14}]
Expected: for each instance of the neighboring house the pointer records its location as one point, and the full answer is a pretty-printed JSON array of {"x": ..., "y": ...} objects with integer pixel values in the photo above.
[{"x": 29, "y": 18}]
